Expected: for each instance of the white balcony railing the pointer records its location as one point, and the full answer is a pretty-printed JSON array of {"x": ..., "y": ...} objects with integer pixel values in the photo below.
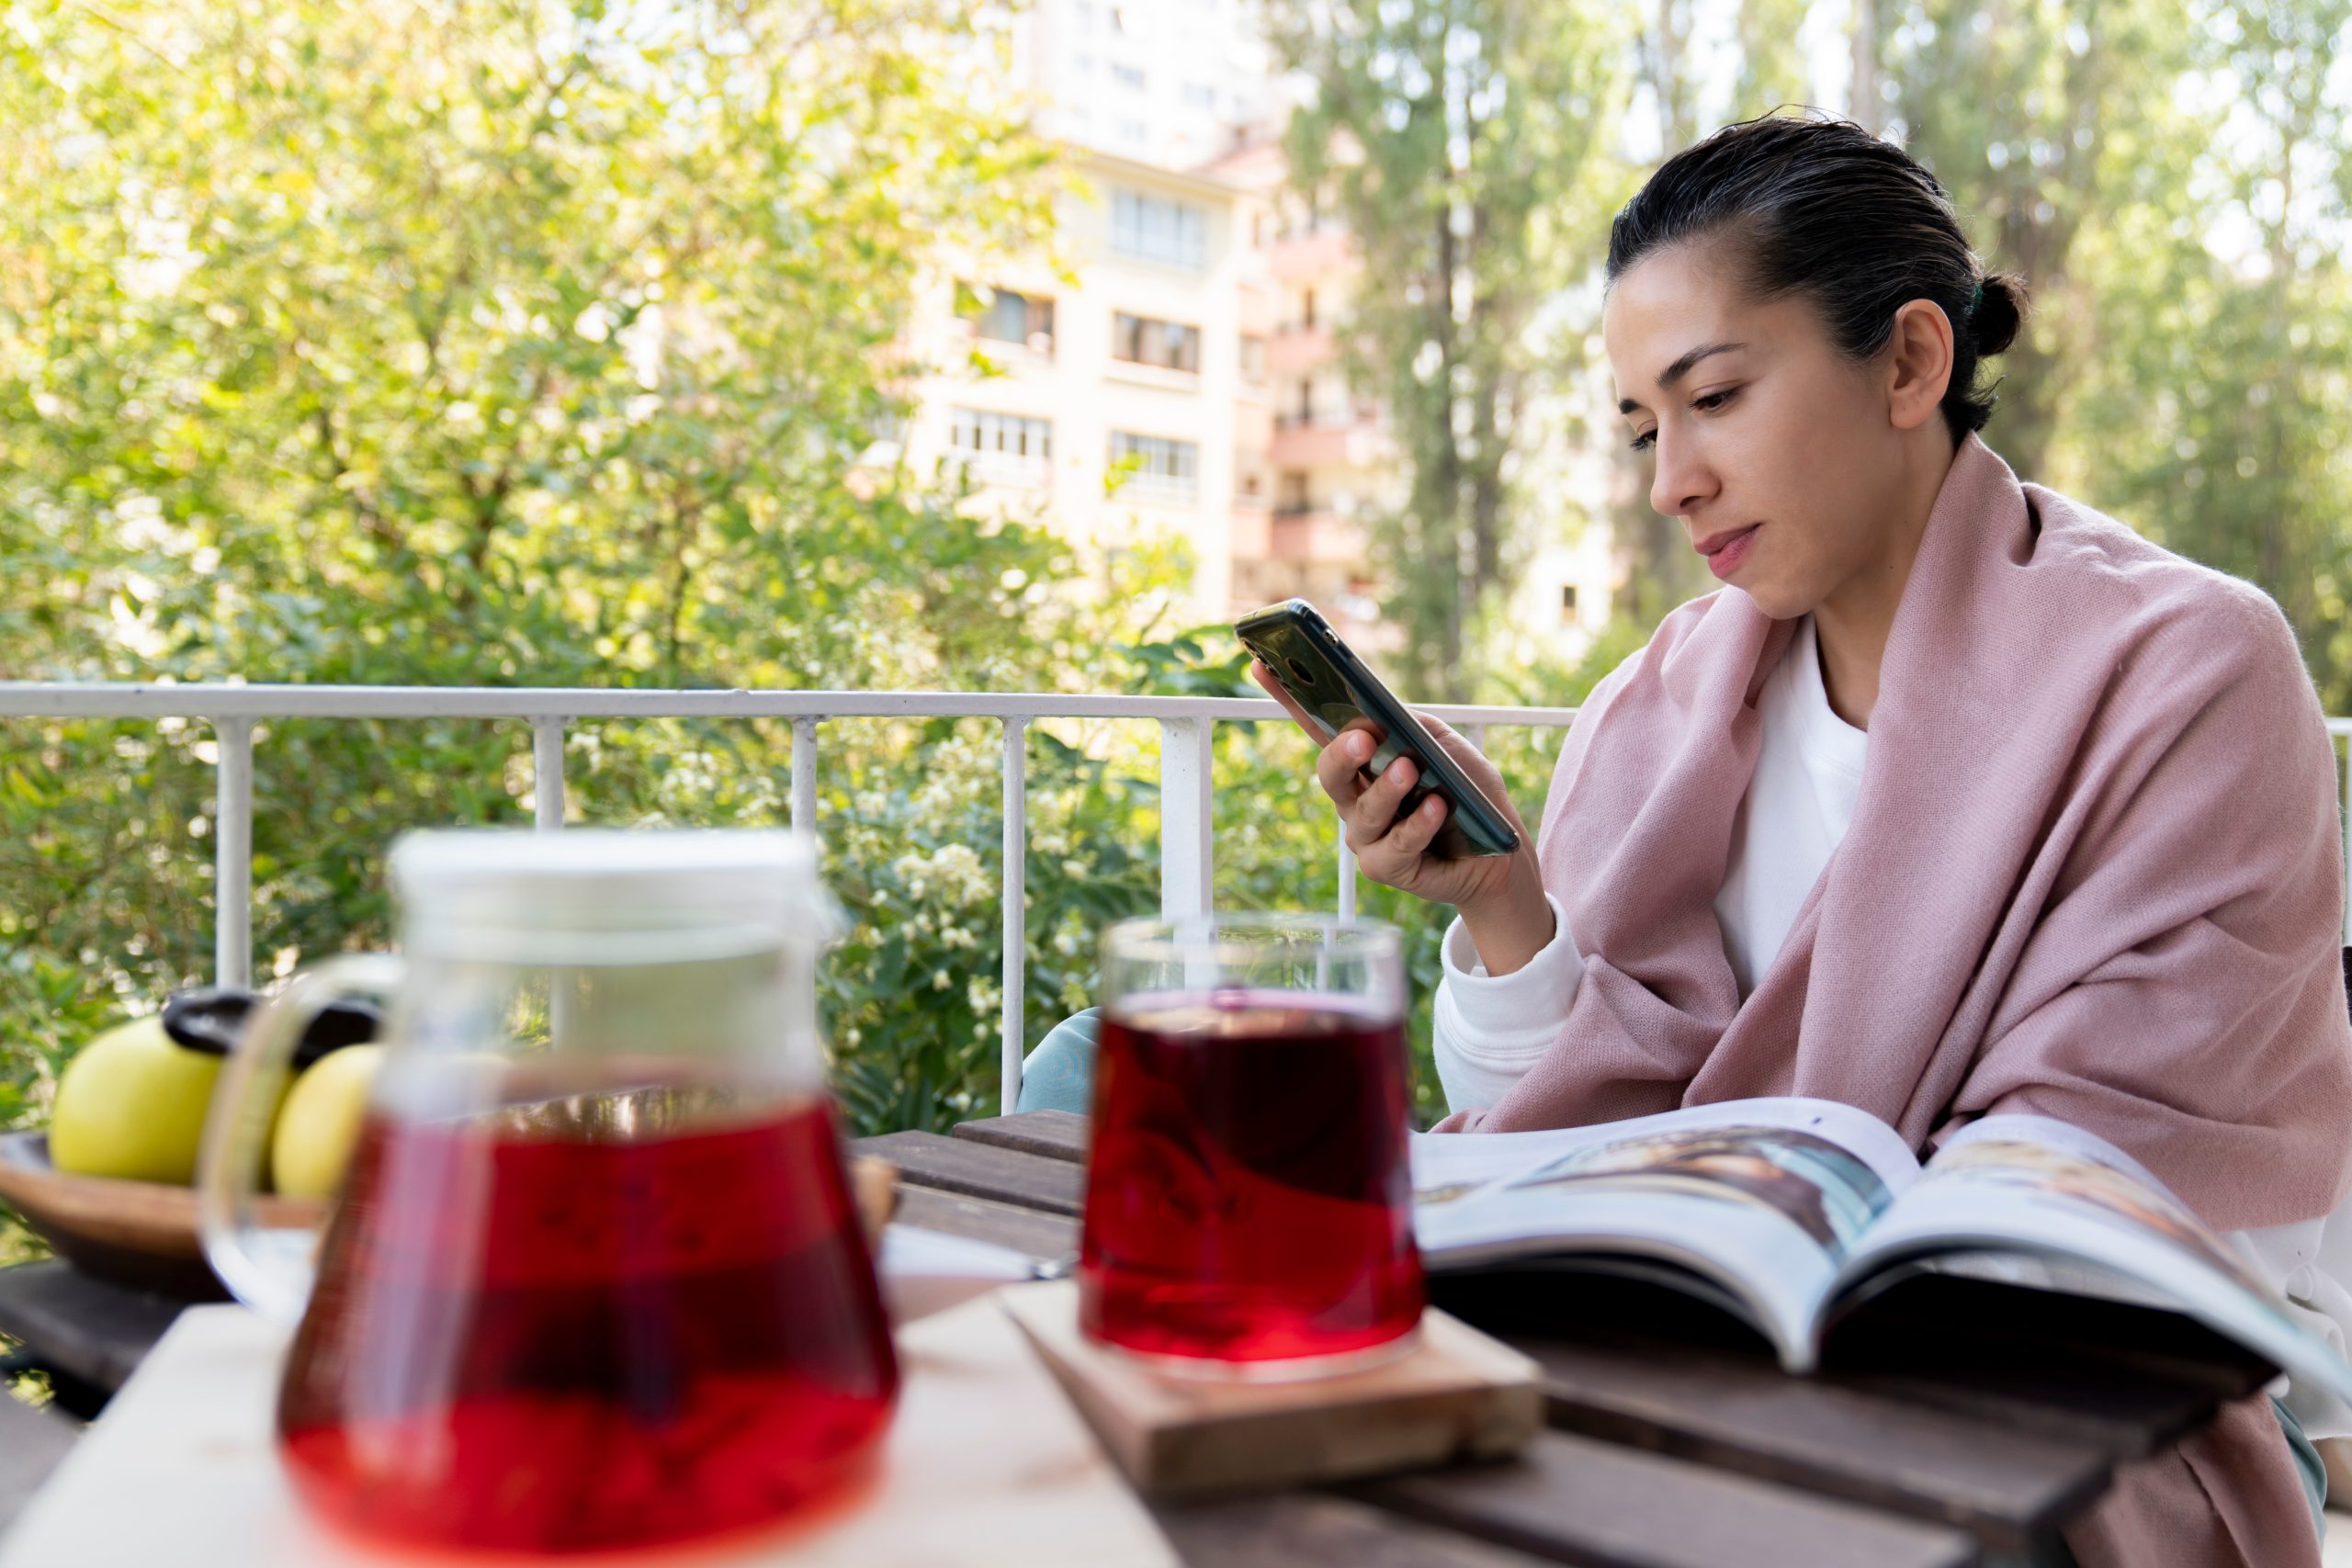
[
  {"x": 1187, "y": 815},
  {"x": 1185, "y": 723}
]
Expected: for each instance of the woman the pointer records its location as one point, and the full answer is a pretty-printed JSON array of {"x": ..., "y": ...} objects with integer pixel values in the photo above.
[{"x": 1960, "y": 798}]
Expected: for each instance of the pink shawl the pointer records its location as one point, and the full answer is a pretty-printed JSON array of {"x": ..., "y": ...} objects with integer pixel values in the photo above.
[{"x": 2095, "y": 873}]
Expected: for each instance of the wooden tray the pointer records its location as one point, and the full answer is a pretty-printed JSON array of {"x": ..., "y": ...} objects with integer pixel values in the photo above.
[{"x": 141, "y": 1233}]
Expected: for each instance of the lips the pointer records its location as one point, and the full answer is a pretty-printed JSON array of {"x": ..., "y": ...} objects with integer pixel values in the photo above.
[{"x": 1725, "y": 551}]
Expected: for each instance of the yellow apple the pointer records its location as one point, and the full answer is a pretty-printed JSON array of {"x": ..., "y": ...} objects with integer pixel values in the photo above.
[
  {"x": 132, "y": 1105},
  {"x": 319, "y": 1122}
]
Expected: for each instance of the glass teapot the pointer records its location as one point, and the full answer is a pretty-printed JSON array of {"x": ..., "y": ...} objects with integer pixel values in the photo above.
[{"x": 596, "y": 1278}]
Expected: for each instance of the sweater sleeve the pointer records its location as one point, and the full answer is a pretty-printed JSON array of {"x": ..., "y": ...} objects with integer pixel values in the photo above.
[{"x": 1488, "y": 1029}]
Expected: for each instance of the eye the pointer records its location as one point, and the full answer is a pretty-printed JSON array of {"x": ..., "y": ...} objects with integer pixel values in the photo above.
[
  {"x": 1645, "y": 441},
  {"x": 1714, "y": 400}
]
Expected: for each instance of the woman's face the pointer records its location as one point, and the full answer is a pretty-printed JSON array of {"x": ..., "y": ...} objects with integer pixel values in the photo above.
[{"x": 1777, "y": 453}]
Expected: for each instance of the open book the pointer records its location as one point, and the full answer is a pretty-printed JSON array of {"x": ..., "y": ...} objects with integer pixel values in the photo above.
[{"x": 1788, "y": 1211}]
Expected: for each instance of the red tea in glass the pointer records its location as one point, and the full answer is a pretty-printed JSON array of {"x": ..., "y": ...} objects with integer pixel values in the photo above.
[
  {"x": 1248, "y": 1204},
  {"x": 607, "y": 1320}
]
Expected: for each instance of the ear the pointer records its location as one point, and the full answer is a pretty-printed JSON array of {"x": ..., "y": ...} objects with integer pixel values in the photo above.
[{"x": 1919, "y": 364}]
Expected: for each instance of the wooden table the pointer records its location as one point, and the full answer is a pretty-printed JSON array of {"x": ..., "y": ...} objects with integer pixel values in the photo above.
[{"x": 1946, "y": 1432}]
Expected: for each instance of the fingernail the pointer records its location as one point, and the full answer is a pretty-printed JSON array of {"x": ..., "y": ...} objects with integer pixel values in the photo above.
[{"x": 1359, "y": 746}]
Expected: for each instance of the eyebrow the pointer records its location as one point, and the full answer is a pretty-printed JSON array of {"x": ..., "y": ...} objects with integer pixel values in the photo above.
[{"x": 1680, "y": 368}]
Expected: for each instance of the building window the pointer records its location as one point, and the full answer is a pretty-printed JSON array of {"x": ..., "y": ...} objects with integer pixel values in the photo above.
[
  {"x": 1004, "y": 443},
  {"x": 1291, "y": 498},
  {"x": 1198, "y": 95},
  {"x": 1151, "y": 228},
  {"x": 1253, "y": 358},
  {"x": 1567, "y": 602},
  {"x": 1010, "y": 317},
  {"x": 1140, "y": 340},
  {"x": 1157, "y": 467},
  {"x": 1127, "y": 77}
]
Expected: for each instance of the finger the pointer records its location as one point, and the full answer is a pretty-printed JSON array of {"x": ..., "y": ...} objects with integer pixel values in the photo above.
[
  {"x": 1384, "y": 795},
  {"x": 1481, "y": 767},
  {"x": 1281, "y": 693},
  {"x": 1339, "y": 767},
  {"x": 1410, "y": 839}
]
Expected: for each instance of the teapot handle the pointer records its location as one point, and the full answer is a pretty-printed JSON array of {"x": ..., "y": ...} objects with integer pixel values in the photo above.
[{"x": 268, "y": 1267}]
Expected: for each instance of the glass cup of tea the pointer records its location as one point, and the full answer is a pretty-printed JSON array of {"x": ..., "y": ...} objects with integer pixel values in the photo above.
[
  {"x": 1249, "y": 1205},
  {"x": 596, "y": 1280}
]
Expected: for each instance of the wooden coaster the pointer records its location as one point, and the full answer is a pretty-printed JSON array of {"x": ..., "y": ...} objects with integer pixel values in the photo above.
[{"x": 1459, "y": 1394}]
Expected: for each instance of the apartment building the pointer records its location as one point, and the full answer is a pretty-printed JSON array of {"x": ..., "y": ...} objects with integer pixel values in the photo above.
[
  {"x": 1173, "y": 369},
  {"x": 1120, "y": 393},
  {"x": 1172, "y": 83},
  {"x": 1329, "y": 458}
]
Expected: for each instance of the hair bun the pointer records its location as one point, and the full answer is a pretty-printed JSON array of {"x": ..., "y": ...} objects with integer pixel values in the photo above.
[{"x": 1999, "y": 310}]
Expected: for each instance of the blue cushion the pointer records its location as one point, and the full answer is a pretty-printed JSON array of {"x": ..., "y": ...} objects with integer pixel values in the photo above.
[{"x": 1060, "y": 1073}]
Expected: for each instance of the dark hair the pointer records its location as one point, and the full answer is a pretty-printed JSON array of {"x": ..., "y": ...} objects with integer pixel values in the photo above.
[{"x": 1824, "y": 209}]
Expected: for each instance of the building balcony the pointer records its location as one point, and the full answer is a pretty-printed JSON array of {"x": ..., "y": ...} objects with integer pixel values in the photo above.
[
  {"x": 1320, "y": 443},
  {"x": 1296, "y": 257},
  {"x": 1316, "y": 537},
  {"x": 1300, "y": 351}
]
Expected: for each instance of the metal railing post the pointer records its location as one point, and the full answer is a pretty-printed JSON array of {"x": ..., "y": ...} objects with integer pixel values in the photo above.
[
  {"x": 1347, "y": 874},
  {"x": 547, "y": 775},
  {"x": 803, "y": 775},
  {"x": 1186, "y": 809},
  {"x": 1016, "y": 909},
  {"x": 232, "y": 854}
]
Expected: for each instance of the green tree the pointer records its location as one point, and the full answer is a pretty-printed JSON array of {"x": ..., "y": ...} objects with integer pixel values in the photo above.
[
  {"x": 1463, "y": 142},
  {"x": 2213, "y": 417},
  {"x": 534, "y": 344}
]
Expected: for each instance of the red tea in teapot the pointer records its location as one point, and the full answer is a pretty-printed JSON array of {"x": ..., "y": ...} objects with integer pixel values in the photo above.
[{"x": 606, "y": 1320}]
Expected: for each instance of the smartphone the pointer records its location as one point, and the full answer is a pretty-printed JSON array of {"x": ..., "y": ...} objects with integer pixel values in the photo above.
[{"x": 1335, "y": 688}]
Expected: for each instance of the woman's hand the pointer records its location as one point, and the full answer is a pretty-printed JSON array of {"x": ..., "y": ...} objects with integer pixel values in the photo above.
[{"x": 1500, "y": 898}]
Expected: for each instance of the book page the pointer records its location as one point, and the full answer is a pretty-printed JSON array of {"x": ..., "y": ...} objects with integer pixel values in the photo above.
[
  {"x": 2089, "y": 1219},
  {"x": 1451, "y": 1164},
  {"x": 1764, "y": 1197}
]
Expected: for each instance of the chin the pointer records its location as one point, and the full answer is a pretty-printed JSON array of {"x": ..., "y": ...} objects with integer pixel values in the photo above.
[{"x": 1776, "y": 601}]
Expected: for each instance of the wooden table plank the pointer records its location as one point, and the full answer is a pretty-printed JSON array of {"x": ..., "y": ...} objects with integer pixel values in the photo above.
[
  {"x": 978, "y": 1170},
  {"x": 1057, "y": 1134},
  {"x": 1041, "y": 1235},
  {"x": 1288, "y": 1529},
  {"x": 88, "y": 1328},
  {"x": 1577, "y": 1499},
  {"x": 2009, "y": 1489}
]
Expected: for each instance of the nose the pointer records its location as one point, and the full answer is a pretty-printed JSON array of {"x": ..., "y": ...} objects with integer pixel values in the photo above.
[{"x": 1682, "y": 481}]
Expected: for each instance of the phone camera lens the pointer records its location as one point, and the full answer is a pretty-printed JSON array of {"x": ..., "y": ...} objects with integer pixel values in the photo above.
[{"x": 1299, "y": 671}]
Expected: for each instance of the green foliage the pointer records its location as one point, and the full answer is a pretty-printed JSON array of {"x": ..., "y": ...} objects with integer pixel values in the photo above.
[
  {"x": 535, "y": 345},
  {"x": 1462, "y": 141},
  {"x": 2171, "y": 182}
]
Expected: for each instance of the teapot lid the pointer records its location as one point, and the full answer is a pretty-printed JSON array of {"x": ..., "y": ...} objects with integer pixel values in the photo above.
[{"x": 615, "y": 881}]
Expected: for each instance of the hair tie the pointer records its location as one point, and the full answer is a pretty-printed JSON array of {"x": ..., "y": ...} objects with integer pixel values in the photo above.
[{"x": 1975, "y": 302}]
